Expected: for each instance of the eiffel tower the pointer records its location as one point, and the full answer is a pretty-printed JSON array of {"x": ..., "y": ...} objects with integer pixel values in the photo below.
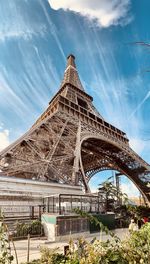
[{"x": 71, "y": 141}]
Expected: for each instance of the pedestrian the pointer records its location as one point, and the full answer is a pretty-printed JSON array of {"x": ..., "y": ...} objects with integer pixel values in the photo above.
[
  {"x": 145, "y": 219},
  {"x": 140, "y": 223},
  {"x": 133, "y": 226}
]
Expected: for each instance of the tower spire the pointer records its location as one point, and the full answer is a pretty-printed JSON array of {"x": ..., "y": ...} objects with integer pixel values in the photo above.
[
  {"x": 71, "y": 61},
  {"x": 71, "y": 75}
]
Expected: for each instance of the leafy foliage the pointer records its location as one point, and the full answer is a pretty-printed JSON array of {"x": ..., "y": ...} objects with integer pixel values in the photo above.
[
  {"x": 137, "y": 248},
  {"x": 34, "y": 228},
  {"x": 5, "y": 253},
  {"x": 138, "y": 211},
  {"x": 50, "y": 256},
  {"x": 134, "y": 249},
  {"x": 113, "y": 195}
]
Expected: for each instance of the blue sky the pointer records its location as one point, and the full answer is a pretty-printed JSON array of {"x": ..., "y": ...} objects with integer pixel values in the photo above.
[{"x": 37, "y": 35}]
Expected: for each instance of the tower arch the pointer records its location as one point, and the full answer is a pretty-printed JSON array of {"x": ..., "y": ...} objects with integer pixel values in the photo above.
[{"x": 99, "y": 154}]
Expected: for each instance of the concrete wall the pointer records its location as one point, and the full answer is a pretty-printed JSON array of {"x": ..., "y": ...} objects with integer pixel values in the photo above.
[
  {"x": 60, "y": 227},
  {"x": 14, "y": 191}
]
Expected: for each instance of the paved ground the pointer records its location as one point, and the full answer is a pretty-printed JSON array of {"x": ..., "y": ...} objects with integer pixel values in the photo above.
[{"x": 36, "y": 243}]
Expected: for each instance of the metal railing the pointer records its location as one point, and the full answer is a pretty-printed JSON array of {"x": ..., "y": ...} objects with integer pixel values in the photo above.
[
  {"x": 64, "y": 204},
  {"x": 23, "y": 220},
  {"x": 22, "y": 211}
]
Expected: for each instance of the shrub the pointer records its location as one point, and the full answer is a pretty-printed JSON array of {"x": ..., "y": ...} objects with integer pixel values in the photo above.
[
  {"x": 34, "y": 228},
  {"x": 137, "y": 248},
  {"x": 50, "y": 256},
  {"x": 5, "y": 253},
  {"x": 22, "y": 229}
]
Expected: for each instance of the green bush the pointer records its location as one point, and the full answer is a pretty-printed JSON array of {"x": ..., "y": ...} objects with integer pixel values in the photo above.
[
  {"x": 22, "y": 229},
  {"x": 135, "y": 249},
  {"x": 5, "y": 252},
  {"x": 50, "y": 256},
  {"x": 34, "y": 228}
]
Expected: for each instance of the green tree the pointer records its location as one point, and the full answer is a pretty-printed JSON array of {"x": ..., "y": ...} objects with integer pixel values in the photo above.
[{"x": 112, "y": 195}]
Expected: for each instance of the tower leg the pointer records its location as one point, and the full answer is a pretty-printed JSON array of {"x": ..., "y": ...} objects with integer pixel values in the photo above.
[{"x": 75, "y": 173}]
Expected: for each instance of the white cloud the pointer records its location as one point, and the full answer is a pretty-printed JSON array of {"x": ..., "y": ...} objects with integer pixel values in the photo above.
[
  {"x": 94, "y": 189},
  {"x": 1, "y": 125},
  {"x": 9, "y": 96},
  {"x": 106, "y": 13},
  {"x": 142, "y": 147},
  {"x": 130, "y": 189},
  {"x": 53, "y": 30},
  {"x": 20, "y": 32},
  {"x": 126, "y": 187},
  {"x": 140, "y": 104},
  {"x": 17, "y": 23},
  {"x": 137, "y": 145},
  {"x": 4, "y": 139}
]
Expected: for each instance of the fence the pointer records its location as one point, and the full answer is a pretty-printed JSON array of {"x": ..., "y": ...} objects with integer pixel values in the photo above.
[
  {"x": 23, "y": 220},
  {"x": 22, "y": 211},
  {"x": 71, "y": 225},
  {"x": 64, "y": 204}
]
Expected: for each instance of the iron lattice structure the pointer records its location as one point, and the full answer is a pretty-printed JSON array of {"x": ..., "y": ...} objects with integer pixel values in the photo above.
[{"x": 71, "y": 141}]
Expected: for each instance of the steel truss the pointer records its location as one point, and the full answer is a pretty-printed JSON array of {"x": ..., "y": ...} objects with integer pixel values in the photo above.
[{"x": 71, "y": 141}]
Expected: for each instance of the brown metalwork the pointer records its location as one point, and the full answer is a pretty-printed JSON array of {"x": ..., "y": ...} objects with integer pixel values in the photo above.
[{"x": 71, "y": 141}]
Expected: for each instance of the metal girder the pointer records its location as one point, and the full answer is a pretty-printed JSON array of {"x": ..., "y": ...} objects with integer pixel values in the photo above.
[
  {"x": 52, "y": 151},
  {"x": 109, "y": 156},
  {"x": 71, "y": 141}
]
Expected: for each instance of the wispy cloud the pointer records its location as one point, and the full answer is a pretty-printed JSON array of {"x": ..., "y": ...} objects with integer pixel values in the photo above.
[
  {"x": 16, "y": 22},
  {"x": 106, "y": 13},
  {"x": 20, "y": 32},
  {"x": 138, "y": 145},
  {"x": 28, "y": 91},
  {"x": 116, "y": 95},
  {"x": 28, "y": 77},
  {"x": 130, "y": 189},
  {"x": 4, "y": 139},
  {"x": 53, "y": 29},
  {"x": 8, "y": 96},
  {"x": 126, "y": 185},
  {"x": 1, "y": 125},
  {"x": 114, "y": 100},
  {"x": 140, "y": 104}
]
